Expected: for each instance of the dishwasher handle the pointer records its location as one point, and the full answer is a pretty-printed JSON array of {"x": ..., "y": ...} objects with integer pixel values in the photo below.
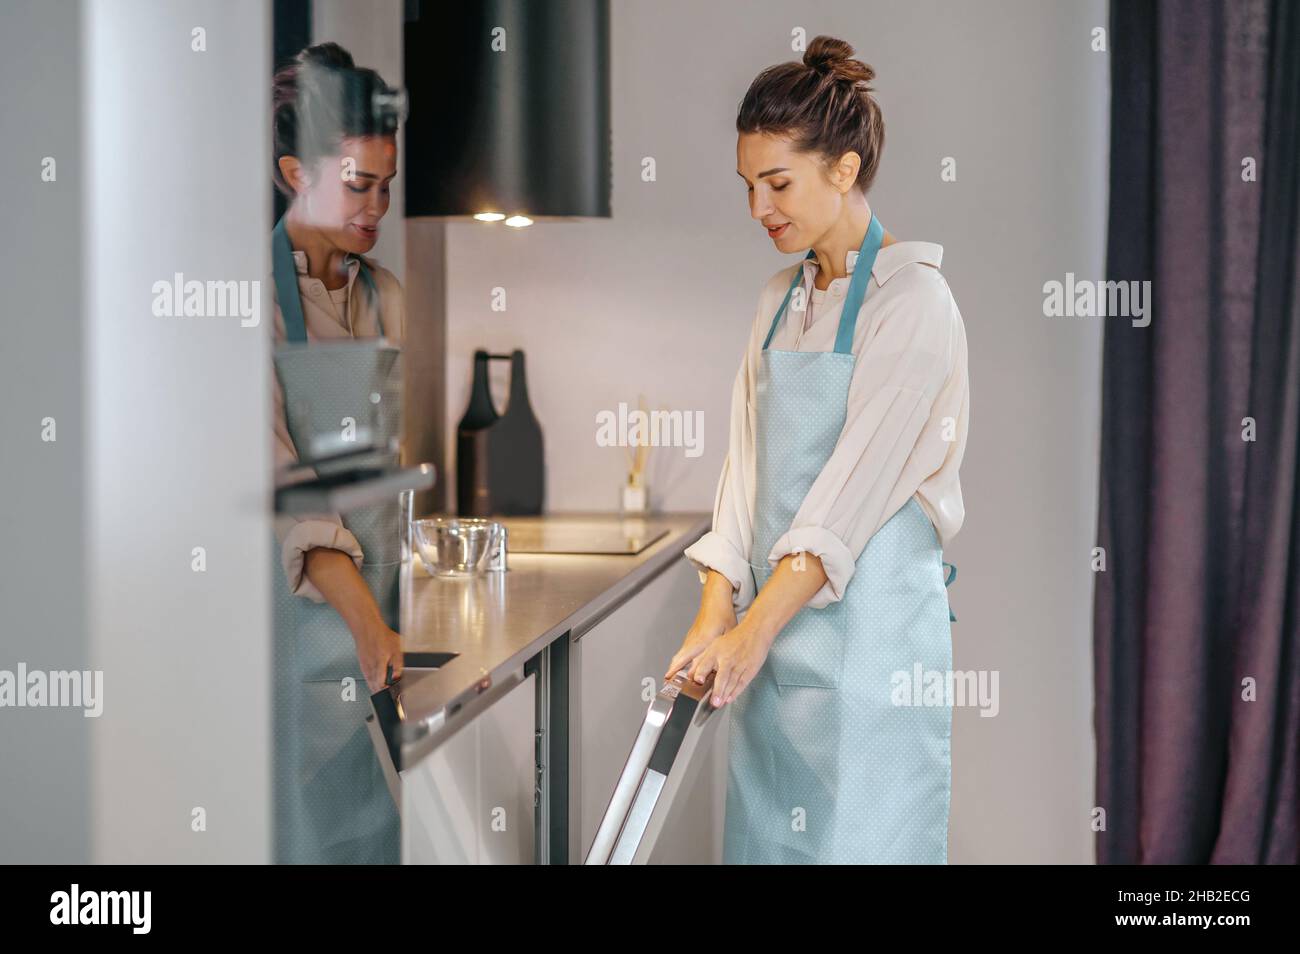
[{"x": 678, "y": 719}]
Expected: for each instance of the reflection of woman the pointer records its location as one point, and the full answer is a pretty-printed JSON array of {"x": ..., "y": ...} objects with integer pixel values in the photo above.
[
  {"x": 335, "y": 155},
  {"x": 840, "y": 487}
]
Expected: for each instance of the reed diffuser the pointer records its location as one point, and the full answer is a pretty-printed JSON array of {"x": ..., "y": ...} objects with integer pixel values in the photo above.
[{"x": 636, "y": 495}]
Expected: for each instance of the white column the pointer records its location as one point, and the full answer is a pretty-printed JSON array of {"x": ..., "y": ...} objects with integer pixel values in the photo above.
[{"x": 177, "y": 162}]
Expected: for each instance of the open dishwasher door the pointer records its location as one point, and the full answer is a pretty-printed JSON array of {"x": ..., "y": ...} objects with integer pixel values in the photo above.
[{"x": 679, "y": 723}]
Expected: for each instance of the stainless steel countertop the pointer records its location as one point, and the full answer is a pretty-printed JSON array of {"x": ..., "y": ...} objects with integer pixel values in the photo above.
[{"x": 497, "y": 621}]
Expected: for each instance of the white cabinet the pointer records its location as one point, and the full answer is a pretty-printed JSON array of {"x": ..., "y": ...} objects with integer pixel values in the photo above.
[{"x": 470, "y": 800}]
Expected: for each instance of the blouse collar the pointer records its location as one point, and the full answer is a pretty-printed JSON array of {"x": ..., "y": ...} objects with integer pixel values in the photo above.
[
  {"x": 888, "y": 260},
  {"x": 352, "y": 261}
]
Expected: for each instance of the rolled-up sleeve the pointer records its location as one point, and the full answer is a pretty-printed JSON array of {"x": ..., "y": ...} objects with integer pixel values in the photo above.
[
  {"x": 298, "y": 533},
  {"x": 719, "y": 549},
  {"x": 883, "y": 454},
  {"x": 726, "y": 548}
]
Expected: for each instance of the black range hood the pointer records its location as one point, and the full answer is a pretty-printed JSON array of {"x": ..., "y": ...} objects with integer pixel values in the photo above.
[{"x": 509, "y": 108}]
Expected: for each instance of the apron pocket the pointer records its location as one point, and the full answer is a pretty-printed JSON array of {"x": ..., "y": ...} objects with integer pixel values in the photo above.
[{"x": 809, "y": 651}]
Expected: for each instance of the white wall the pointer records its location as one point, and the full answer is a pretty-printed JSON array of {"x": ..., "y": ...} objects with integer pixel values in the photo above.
[
  {"x": 175, "y": 161},
  {"x": 658, "y": 300}
]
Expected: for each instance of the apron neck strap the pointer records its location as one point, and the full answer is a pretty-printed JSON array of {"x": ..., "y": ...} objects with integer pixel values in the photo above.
[
  {"x": 858, "y": 285},
  {"x": 857, "y": 288},
  {"x": 795, "y": 282},
  {"x": 286, "y": 284}
]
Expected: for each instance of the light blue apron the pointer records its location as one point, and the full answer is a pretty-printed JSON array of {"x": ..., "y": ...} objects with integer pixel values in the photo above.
[
  {"x": 823, "y": 766},
  {"x": 332, "y": 804}
]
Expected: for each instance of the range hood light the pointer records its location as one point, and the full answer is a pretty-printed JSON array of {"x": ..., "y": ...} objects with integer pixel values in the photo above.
[
  {"x": 519, "y": 221},
  {"x": 525, "y": 126},
  {"x": 490, "y": 216}
]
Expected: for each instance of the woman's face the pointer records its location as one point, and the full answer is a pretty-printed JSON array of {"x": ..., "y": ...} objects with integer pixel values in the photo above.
[
  {"x": 344, "y": 196},
  {"x": 791, "y": 193}
]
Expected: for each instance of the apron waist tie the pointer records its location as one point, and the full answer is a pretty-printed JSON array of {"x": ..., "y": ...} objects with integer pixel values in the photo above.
[{"x": 948, "y": 582}]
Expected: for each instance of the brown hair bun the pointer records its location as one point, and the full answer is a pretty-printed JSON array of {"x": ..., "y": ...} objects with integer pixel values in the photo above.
[
  {"x": 823, "y": 103},
  {"x": 321, "y": 97},
  {"x": 833, "y": 57}
]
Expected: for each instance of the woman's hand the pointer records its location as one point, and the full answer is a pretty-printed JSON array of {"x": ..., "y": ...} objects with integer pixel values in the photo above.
[
  {"x": 716, "y": 615},
  {"x": 737, "y": 657},
  {"x": 739, "y": 654},
  {"x": 378, "y": 647},
  {"x": 708, "y": 626}
]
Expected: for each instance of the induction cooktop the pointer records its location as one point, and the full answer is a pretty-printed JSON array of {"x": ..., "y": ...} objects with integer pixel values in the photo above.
[{"x": 560, "y": 533}]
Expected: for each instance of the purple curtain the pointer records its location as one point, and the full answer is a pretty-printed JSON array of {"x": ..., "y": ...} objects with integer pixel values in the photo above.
[{"x": 1196, "y": 634}]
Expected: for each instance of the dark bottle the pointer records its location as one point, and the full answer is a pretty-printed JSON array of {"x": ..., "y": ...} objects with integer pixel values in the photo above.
[{"x": 500, "y": 463}]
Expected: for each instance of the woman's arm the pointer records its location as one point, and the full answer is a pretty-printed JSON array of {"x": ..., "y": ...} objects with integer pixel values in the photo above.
[
  {"x": 716, "y": 615},
  {"x": 721, "y": 556},
  {"x": 725, "y": 548},
  {"x": 335, "y": 575},
  {"x": 739, "y": 654},
  {"x": 299, "y": 533}
]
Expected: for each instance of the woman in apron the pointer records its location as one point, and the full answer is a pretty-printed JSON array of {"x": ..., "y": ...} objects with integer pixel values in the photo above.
[
  {"x": 838, "y": 493},
  {"x": 335, "y": 592}
]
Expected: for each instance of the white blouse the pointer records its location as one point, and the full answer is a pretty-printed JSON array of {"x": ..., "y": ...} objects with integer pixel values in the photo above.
[{"x": 905, "y": 425}]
